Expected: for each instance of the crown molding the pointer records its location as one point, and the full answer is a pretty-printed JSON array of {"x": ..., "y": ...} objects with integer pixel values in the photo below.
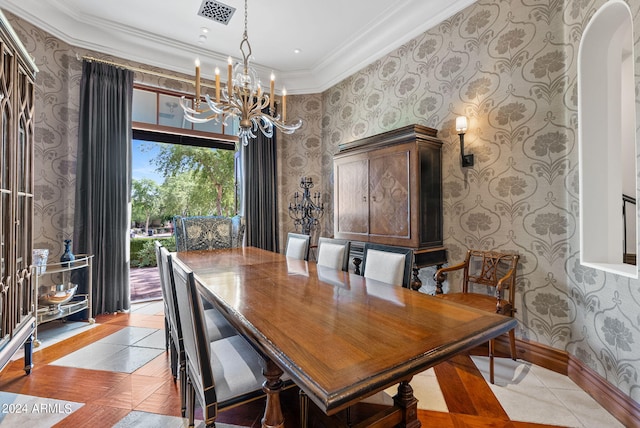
[{"x": 390, "y": 30}]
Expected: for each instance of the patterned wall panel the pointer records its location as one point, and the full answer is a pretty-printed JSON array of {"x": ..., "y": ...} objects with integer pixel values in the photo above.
[
  {"x": 301, "y": 155},
  {"x": 510, "y": 67}
]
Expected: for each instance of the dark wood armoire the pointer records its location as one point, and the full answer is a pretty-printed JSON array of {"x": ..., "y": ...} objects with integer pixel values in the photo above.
[{"x": 388, "y": 190}]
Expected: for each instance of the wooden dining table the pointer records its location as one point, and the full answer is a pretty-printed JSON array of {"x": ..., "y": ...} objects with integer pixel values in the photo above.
[{"x": 339, "y": 336}]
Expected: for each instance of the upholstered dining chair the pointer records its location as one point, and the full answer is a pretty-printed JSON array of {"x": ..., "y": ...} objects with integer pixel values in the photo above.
[
  {"x": 165, "y": 301},
  {"x": 298, "y": 246},
  {"x": 489, "y": 284},
  {"x": 208, "y": 232},
  {"x": 387, "y": 263},
  {"x": 333, "y": 253},
  {"x": 215, "y": 323},
  {"x": 221, "y": 373}
]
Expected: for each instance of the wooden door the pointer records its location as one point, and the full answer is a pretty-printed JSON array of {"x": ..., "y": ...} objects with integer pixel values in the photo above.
[
  {"x": 351, "y": 198},
  {"x": 389, "y": 192}
]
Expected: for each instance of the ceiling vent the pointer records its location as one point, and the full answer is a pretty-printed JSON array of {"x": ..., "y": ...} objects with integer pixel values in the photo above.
[{"x": 216, "y": 11}]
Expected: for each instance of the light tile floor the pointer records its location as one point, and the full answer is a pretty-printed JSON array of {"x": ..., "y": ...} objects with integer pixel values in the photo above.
[
  {"x": 528, "y": 393},
  {"x": 534, "y": 394},
  {"x": 124, "y": 351}
]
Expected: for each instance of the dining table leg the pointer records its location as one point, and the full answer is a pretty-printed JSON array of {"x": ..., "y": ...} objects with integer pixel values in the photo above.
[
  {"x": 272, "y": 386},
  {"x": 409, "y": 405}
]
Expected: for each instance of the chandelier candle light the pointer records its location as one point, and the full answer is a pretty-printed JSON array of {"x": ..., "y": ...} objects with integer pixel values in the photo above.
[
  {"x": 243, "y": 99},
  {"x": 304, "y": 211}
]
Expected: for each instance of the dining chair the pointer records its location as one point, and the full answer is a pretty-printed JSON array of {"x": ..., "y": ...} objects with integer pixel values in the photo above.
[
  {"x": 298, "y": 246},
  {"x": 387, "y": 263},
  {"x": 217, "y": 327},
  {"x": 333, "y": 253},
  {"x": 487, "y": 276},
  {"x": 220, "y": 373},
  {"x": 208, "y": 232},
  {"x": 165, "y": 301}
]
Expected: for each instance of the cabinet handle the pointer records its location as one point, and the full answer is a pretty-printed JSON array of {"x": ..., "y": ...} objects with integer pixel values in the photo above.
[
  {"x": 373, "y": 198},
  {"x": 364, "y": 199}
]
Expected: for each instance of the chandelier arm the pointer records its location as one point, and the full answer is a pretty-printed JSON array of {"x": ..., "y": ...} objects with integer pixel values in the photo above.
[
  {"x": 264, "y": 124},
  {"x": 194, "y": 119},
  {"x": 186, "y": 107}
]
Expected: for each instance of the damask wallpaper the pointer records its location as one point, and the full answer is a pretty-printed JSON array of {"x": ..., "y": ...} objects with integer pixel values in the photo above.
[{"x": 510, "y": 67}]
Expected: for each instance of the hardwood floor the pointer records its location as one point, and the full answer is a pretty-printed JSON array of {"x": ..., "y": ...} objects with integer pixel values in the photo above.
[{"x": 110, "y": 396}]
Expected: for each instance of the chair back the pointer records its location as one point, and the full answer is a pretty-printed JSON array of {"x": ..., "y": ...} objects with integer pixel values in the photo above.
[
  {"x": 208, "y": 232},
  {"x": 495, "y": 273},
  {"x": 298, "y": 246},
  {"x": 169, "y": 294},
  {"x": 178, "y": 233},
  {"x": 387, "y": 263},
  {"x": 163, "y": 280},
  {"x": 194, "y": 332},
  {"x": 237, "y": 231},
  {"x": 334, "y": 253}
]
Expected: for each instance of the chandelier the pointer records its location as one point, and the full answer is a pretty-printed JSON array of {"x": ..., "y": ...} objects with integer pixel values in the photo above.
[{"x": 243, "y": 98}]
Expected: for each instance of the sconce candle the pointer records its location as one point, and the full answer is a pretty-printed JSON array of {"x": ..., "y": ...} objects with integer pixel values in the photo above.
[
  {"x": 461, "y": 124},
  {"x": 461, "y": 128}
]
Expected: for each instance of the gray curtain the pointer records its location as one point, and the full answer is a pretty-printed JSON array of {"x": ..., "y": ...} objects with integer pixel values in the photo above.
[
  {"x": 261, "y": 212},
  {"x": 103, "y": 181}
]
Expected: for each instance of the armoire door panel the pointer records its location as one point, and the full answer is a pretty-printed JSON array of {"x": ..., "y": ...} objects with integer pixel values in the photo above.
[
  {"x": 352, "y": 205},
  {"x": 389, "y": 194}
]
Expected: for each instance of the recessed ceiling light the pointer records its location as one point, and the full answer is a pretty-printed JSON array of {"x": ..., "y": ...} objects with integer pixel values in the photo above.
[
  {"x": 204, "y": 29},
  {"x": 297, "y": 51},
  {"x": 202, "y": 39}
]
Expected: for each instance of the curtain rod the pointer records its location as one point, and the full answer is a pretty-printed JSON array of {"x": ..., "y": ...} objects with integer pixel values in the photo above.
[{"x": 141, "y": 70}]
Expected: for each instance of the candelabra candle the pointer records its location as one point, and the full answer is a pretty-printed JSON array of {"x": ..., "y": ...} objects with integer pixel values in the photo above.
[{"x": 306, "y": 209}]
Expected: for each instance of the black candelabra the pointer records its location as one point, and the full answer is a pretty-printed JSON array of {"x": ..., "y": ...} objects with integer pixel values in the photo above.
[{"x": 306, "y": 210}]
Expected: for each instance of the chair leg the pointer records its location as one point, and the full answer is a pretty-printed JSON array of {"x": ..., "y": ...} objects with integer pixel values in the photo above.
[
  {"x": 512, "y": 343},
  {"x": 167, "y": 335},
  {"x": 184, "y": 385},
  {"x": 191, "y": 403},
  {"x": 491, "y": 343},
  {"x": 304, "y": 408},
  {"x": 173, "y": 359}
]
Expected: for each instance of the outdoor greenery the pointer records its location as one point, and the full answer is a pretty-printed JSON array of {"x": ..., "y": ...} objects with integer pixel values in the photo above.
[
  {"x": 145, "y": 194},
  {"x": 143, "y": 251},
  {"x": 197, "y": 181}
]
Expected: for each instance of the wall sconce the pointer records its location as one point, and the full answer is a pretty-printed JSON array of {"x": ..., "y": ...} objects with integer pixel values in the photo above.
[{"x": 461, "y": 127}]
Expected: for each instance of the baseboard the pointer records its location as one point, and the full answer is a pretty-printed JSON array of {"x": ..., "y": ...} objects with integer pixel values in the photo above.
[
  {"x": 621, "y": 406},
  {"x": 625, "y": 409}
]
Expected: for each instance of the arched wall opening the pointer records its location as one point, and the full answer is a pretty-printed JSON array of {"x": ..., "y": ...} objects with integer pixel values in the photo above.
[{"x": 607, "y": 137}]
